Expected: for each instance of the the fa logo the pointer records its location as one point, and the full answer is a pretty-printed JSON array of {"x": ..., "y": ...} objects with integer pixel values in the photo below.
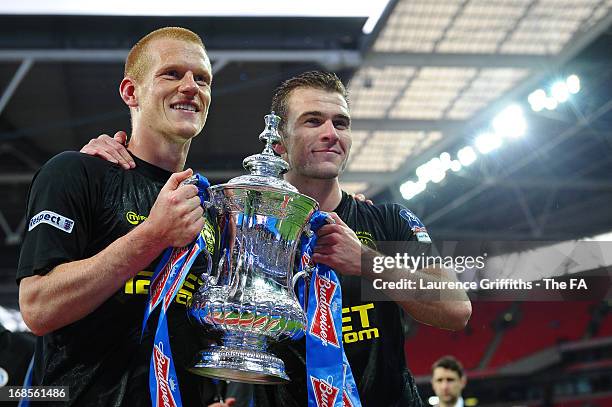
[{"x": 578, "y": 283}]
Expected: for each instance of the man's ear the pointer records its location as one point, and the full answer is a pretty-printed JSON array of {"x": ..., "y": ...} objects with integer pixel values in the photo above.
[
  {"x": 463, "y": 381},
  {"x": 127, "y": 90}
]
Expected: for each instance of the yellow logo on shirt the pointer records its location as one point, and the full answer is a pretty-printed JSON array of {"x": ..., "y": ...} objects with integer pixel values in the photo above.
[
  {"x": 358, "y": 314},
  {"x": 367, "y": 239},
  {"x": 139, "y": 284},
  {"x": 351, "y": 316},
  {"x": 134, "y": 219}
]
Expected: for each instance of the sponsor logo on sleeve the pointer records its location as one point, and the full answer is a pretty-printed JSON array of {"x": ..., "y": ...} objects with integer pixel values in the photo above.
[
  {"x": 53, "y": 219},
  {"x": 417, "y": 227}
]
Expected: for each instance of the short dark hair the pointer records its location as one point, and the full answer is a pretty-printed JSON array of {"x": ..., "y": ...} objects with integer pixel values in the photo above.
[
  {"x": 327, "y": 81},
  {"x": 450, "y": 363}
]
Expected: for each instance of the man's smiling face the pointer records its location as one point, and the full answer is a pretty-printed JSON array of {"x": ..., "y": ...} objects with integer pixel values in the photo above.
[
  {"x": 174, "y": 94},
  {"x": 318, "y": 134}
]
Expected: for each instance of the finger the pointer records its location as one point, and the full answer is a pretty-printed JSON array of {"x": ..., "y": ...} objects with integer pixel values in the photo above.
[
  {"x": 329, "y": 238},
  {"x": 102, "y": 154},
  {"x": 109, "y": 147},
  {"x": 328, "y": 250},
  {"x": 122, "y": 154},
  {"x": 103, "y": 137},
  {"x": 195, "y": 218},
  {"x": 87, "y": 149},
  {"x": 360, "y": 197},
  {"x": 327, "y": 230},
  {"x": 175, "y": 179},
  {"x": 92, "y": 143},
  {"x": 230, "y": 401},
  {"x": 187, "y": 191},
  {"x": 120, "y": 137},
  {"x": 322, "y": 259},
  {"x": 336, "y": 218},
  {"x": 369, "y": 202},
  {"x": 194, "y": 207}
]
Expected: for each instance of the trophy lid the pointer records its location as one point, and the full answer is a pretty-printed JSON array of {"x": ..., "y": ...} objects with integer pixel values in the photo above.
[{"x": 266, "y": 168}]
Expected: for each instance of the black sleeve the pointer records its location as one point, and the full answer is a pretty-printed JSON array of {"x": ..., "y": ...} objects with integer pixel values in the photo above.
[
  {"x": 404, "y": 233},
  {"x": 60, "y": 204},
  {"x": 406, "y": 226}
]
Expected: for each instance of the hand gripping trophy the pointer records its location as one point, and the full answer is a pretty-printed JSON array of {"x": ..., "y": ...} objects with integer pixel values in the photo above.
[{"x": 247, "y": 295}]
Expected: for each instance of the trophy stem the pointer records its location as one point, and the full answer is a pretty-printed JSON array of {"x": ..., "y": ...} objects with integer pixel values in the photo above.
[{"x": 242, "y": 357}]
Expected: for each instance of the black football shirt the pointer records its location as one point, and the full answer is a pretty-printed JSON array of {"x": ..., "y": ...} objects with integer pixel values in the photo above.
[
  {"x": 372, "y": 331},
  {"x": 77, "y": 206}
]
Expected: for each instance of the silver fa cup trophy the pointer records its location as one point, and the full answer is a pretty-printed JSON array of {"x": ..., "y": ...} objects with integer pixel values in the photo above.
[{"x": 248, "y": 294}]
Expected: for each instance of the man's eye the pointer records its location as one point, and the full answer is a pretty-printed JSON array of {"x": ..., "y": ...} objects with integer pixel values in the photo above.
[
  {"x": 201, "y": 80},
  {"x": 172, "y": 74},
  {"x": 313, "y": 120},
  {"x": 341, "y": 125}
]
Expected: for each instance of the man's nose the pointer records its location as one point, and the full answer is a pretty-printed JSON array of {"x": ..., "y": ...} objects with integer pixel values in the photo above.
[
  {"x": 329, "y": 132},
  {"x": 188, "y": 84}
]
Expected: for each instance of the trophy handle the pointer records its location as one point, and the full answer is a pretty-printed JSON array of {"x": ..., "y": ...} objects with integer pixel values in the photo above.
[
  {"x": 207, "y": 276},
  {"x": 296, "y": 277},
  {"x": 305, "y": 274}
]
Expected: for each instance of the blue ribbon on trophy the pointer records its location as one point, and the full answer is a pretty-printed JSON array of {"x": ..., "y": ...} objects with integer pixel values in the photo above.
[
  {"x": 166, "y": 281},
  {"x": 328, "y": 372}
]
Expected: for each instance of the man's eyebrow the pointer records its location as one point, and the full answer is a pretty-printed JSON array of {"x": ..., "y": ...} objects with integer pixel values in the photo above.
[
  {"x": 311, "y": 113},
  {"x": 316, "y": 113},
  {"x": 180, "y": 67}
]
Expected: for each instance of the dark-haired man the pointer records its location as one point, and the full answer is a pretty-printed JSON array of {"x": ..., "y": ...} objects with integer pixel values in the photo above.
[{"x": 448, "y": 380}]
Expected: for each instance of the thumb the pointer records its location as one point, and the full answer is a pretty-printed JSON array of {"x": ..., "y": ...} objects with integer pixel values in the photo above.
[
  {"x": 175, "y": 179},
  {"x": 120, "y": 137},
  {"x": 336, "y": 218}
]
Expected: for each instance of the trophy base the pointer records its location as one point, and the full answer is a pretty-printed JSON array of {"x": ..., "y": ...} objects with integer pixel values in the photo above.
[{"x": 240, "y": 365}]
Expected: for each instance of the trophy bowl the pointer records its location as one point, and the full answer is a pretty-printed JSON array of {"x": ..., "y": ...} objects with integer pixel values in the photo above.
[{"x": 247, "y": 296}]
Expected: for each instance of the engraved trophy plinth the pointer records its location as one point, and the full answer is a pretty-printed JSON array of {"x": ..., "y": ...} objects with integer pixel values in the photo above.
[{"x": 248, "y": 295}]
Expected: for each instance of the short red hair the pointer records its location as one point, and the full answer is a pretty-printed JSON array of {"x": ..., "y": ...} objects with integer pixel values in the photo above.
[{"x": 138, "y": 60}]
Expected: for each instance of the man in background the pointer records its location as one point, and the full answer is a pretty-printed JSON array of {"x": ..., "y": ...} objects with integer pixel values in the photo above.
[{"x": 448, "y": 380}]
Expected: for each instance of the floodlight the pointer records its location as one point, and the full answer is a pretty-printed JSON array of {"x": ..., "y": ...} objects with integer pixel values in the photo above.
[
  {"x": 466, "y": 156},
  {"x": 573, "y": 84},
  {"x": 560, "y": 92},
  {"x": 510, "y": 122},
  {"x": 551, "y": 103},
  {"x": 488, "y": 142},
  {"x": 455, "y": 166},
  {"x": 537, "y": 100},
  {"x": 410, "y": 189}
]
